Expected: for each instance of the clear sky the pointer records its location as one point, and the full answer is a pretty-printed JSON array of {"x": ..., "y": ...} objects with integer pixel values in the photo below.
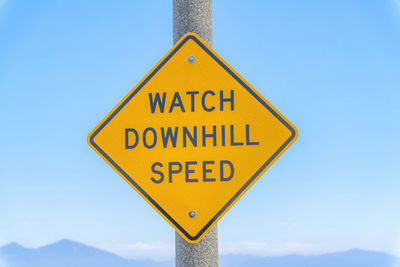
[{"x": 331, "y": 67}]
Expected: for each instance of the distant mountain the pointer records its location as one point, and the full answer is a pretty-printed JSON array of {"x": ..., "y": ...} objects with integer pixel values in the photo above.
[
  {"x": 351, "y": 258},
  {"x": 66, "y": 253}
]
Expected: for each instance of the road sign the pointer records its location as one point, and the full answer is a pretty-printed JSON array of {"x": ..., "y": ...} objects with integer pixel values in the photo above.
[{"x": 192, "y": 137}]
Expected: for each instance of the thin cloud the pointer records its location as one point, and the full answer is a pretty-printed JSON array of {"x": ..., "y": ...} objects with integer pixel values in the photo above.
[
  {"x": 158, "y": 251},
  {"x": 161, "y": 251},
  {"x": 268, "y": 249}
]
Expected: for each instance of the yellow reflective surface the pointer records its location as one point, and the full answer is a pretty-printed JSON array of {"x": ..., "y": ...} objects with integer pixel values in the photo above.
[{"x": 192, "y": 136}]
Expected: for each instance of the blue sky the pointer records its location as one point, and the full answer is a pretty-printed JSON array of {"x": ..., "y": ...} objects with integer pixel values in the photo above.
[{"x": 331, "y": 67}]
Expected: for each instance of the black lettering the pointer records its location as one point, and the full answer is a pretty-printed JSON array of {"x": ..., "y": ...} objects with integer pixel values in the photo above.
[
  {"x": 157, "y": 172},
  {"x": 248, "y": 137},
  {"x": 222, "y": 100},
  {"x": 188, "y": 171},
  {"x": 192, "y": 94},
  {"x": 172, "y": 171},
  {"x": 145, "y": 137},
  {"x": 233, "y": 143},
  {"x": 169, "y": 136},
  {"x": 213, "y": 135},
  {"x": 127, "y": 131},
  {"x": 203, "y": 101},
  {"x": 186, "y": 134},
  {"x": 221, "y": 167},
  {"x": 205, "y": 171},
  {"x": 176, "y": 102},
  {"x": 157, "y": 101}
]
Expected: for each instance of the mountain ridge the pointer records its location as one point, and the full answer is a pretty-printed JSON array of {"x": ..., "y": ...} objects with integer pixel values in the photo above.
[{"x": 67, "y": 252}]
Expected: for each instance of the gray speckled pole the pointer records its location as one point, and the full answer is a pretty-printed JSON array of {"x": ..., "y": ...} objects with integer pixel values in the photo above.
[
  {"x": 202, "y": 254},
  {"x": 195, "y": 16}
]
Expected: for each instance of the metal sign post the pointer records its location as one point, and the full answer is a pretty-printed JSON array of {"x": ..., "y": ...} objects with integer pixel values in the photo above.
[
  {"x": 192, "y": 136},
  {"x": 195, "y": 16}
]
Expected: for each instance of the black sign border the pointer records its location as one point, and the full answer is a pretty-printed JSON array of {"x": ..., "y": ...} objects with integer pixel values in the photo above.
[{"x": 243, "y": 188}]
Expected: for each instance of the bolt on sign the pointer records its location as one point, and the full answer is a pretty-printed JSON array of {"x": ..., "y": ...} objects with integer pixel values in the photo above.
[{"x": 192, "y": 137}]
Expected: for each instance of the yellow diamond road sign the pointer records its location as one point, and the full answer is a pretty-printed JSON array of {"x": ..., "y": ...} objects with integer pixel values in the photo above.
[{"x": 192, "y": 137}]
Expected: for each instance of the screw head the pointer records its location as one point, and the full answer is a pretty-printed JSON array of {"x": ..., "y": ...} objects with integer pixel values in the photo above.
[
  {"x": 192, "y": 214},
  {"x": 191, "y": 59}
]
